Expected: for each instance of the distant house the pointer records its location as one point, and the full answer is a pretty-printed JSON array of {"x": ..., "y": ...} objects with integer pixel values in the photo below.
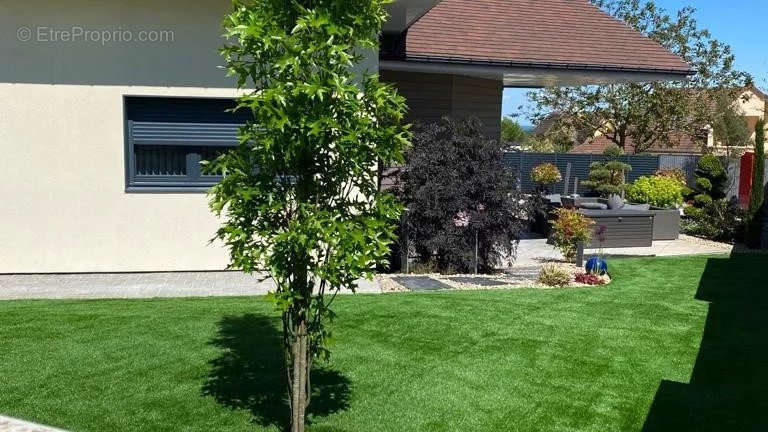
[{"x": 751, "y": 104}]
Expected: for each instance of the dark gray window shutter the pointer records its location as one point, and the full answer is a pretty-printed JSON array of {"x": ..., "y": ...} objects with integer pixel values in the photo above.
[{"x": 167, "y": 138}]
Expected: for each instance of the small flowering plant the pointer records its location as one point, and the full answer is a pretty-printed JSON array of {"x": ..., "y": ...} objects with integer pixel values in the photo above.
[
  {"x": 569, "y": 229},
  {"x": 461, "y": 219},
  {"x": 589, "y": 279},
  {"x": 600, "y": 234}
]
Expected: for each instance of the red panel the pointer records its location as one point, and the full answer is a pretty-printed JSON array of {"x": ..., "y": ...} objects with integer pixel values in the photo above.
[{"x": 745, "y": 178}]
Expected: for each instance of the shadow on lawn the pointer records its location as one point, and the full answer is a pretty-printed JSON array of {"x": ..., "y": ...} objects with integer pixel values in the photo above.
[
  {"x": 248, "y": 374},
  {"x": 729, "y": 385}
]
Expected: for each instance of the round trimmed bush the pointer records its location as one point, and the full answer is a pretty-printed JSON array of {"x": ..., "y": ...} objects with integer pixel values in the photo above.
[
  {"x": 546, "y": 174},
  {"x": 657, "y": 191},
  {"x": 702, "y": 199},
  {"x": 710, "y": 166},
  {"x": 693, "y": 212},
  {"x": 704, "y": 184}
]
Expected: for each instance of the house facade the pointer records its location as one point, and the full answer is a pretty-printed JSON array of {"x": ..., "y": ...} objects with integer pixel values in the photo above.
[{"x": 107, "y": 108}]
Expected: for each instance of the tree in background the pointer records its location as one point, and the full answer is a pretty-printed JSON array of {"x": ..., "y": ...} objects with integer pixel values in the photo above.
[
  {"x": 730, "y": 125},
  {"x": 653, "y": 115},
  {"x": 459, "y": 192},
  {"x": 511, "y": 131},
  {"x": 608, "y": 177},
  {"x": 755, "y": 222},
  {"x": 299, "y": 198}
]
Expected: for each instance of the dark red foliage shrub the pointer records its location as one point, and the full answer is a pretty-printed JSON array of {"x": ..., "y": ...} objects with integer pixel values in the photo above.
[
  {"x": 456, "y": 186},
  {"x": 589, "y": 279}
]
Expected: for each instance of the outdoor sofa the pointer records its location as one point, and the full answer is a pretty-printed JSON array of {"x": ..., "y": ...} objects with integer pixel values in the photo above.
[{"x": 632, "y": 225}]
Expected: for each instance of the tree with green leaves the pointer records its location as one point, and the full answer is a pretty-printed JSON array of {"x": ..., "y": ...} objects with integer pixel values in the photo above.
[
  {"x": 756, "y": 202},
  {"x": 608, "y": 177},
  {"x": 655, "y": 114},
  {"x": 730, "y": 127},
  {"x": 299, "y": 200},
  {"x": 511, "y": 131}
]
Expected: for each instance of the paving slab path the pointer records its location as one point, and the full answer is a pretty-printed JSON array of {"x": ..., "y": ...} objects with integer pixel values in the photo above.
[
  {"x": 142, "y": 285},
  {"x": 8, "y": 424},
  {"x": 532, "y": 254},
  {"x": 534, "y": 251}
]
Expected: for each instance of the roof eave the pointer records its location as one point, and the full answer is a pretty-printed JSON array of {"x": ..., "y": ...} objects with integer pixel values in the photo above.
[{"x": 540, "y": 65}]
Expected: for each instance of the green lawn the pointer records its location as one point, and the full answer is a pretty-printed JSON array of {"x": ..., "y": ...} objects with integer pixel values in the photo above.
[{"x": 625, "y": 357}]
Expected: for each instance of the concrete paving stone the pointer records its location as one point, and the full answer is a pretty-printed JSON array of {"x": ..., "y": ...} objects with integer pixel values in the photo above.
[
  {"x": 421, "y": 283},
  {"x": 8, "y": 424},
  {"x": 481, "y": 281}
]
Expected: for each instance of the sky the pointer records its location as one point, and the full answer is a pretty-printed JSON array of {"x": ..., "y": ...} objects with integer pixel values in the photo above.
[{"x": 739, "y": 23}]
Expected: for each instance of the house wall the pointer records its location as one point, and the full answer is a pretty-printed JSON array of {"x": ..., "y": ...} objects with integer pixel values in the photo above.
[
  {"x": 752, "y": 108},
  {"x": 65, "y": 208},
  {"x": 432, "y": 96}
]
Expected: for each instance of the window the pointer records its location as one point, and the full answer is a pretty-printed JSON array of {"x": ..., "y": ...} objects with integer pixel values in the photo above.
[{"x": 167, "y": 138}]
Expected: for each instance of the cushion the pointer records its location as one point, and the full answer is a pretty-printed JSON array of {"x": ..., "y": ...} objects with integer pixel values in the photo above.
[
  {"x": 593, "y": 206},
  {"x": 615, "y": 202},
  {"x": 637, "y": 207}
]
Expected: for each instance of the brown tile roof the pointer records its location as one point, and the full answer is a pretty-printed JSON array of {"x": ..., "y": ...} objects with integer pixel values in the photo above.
[
  {"x": 544, "y": 33},
  {"x": 546, "y": 124},
  {"x": 686, "y": 145}
]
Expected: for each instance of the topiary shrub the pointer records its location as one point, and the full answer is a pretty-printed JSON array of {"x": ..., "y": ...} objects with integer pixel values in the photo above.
[
  {"x": 546, "y": 174},
  {"x": 704, "y": 184},
  {"x": 702, "y": 199},
  {"x": 693, "y": 212},
  {"x": 608, "y": 177},
  {"x": 554, "y": 275},
  {"x": 664, "y": 192},
  {"x": 569, "y": 229},
  {"x": 456, "y": 186},
  {"x": 711, "y": 177},
  {"x": 687, "y": 193}
]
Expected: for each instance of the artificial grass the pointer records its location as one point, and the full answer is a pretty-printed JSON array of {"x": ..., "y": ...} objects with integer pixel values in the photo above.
[{"x": 614, "y": 358}]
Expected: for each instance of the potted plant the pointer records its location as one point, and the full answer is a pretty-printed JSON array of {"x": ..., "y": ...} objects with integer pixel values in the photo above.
[
  {"x": 569, "y": 229},
  {"x": 665, "y": 196},
  {"x": 544, "y": 175}
]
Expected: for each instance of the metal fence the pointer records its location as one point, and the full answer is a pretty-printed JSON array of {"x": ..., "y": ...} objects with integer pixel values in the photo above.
[
  {"x": 686, "y": 163},
  {"x": 579, "y": 168}
]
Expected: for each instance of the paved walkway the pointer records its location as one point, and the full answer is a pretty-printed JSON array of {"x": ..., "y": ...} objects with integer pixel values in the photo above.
[
  {"x": 534, "y": 251},
  {"x": 8, "y": 424},
  {"x": 140, "y": 285}
]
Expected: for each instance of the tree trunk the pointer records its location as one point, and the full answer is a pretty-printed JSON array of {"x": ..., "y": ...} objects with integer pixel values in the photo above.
[{"x": 300, "y": 375}]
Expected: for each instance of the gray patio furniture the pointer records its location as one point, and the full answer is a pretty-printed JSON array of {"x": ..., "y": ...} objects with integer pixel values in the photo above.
[
  {"x": 624, "y": 228},
  {"x": 666, "y": 222}
]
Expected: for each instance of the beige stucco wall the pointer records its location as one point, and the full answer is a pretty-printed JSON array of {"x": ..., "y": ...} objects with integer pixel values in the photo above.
[
  {"x": 751, "y": 106},
  {"x": 64, "y": 206}
]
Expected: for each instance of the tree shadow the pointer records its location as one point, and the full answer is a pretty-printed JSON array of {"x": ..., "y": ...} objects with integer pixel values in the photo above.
[
  {"x": 249, "y": 375},
  {"x": 728, "y": 390}
]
